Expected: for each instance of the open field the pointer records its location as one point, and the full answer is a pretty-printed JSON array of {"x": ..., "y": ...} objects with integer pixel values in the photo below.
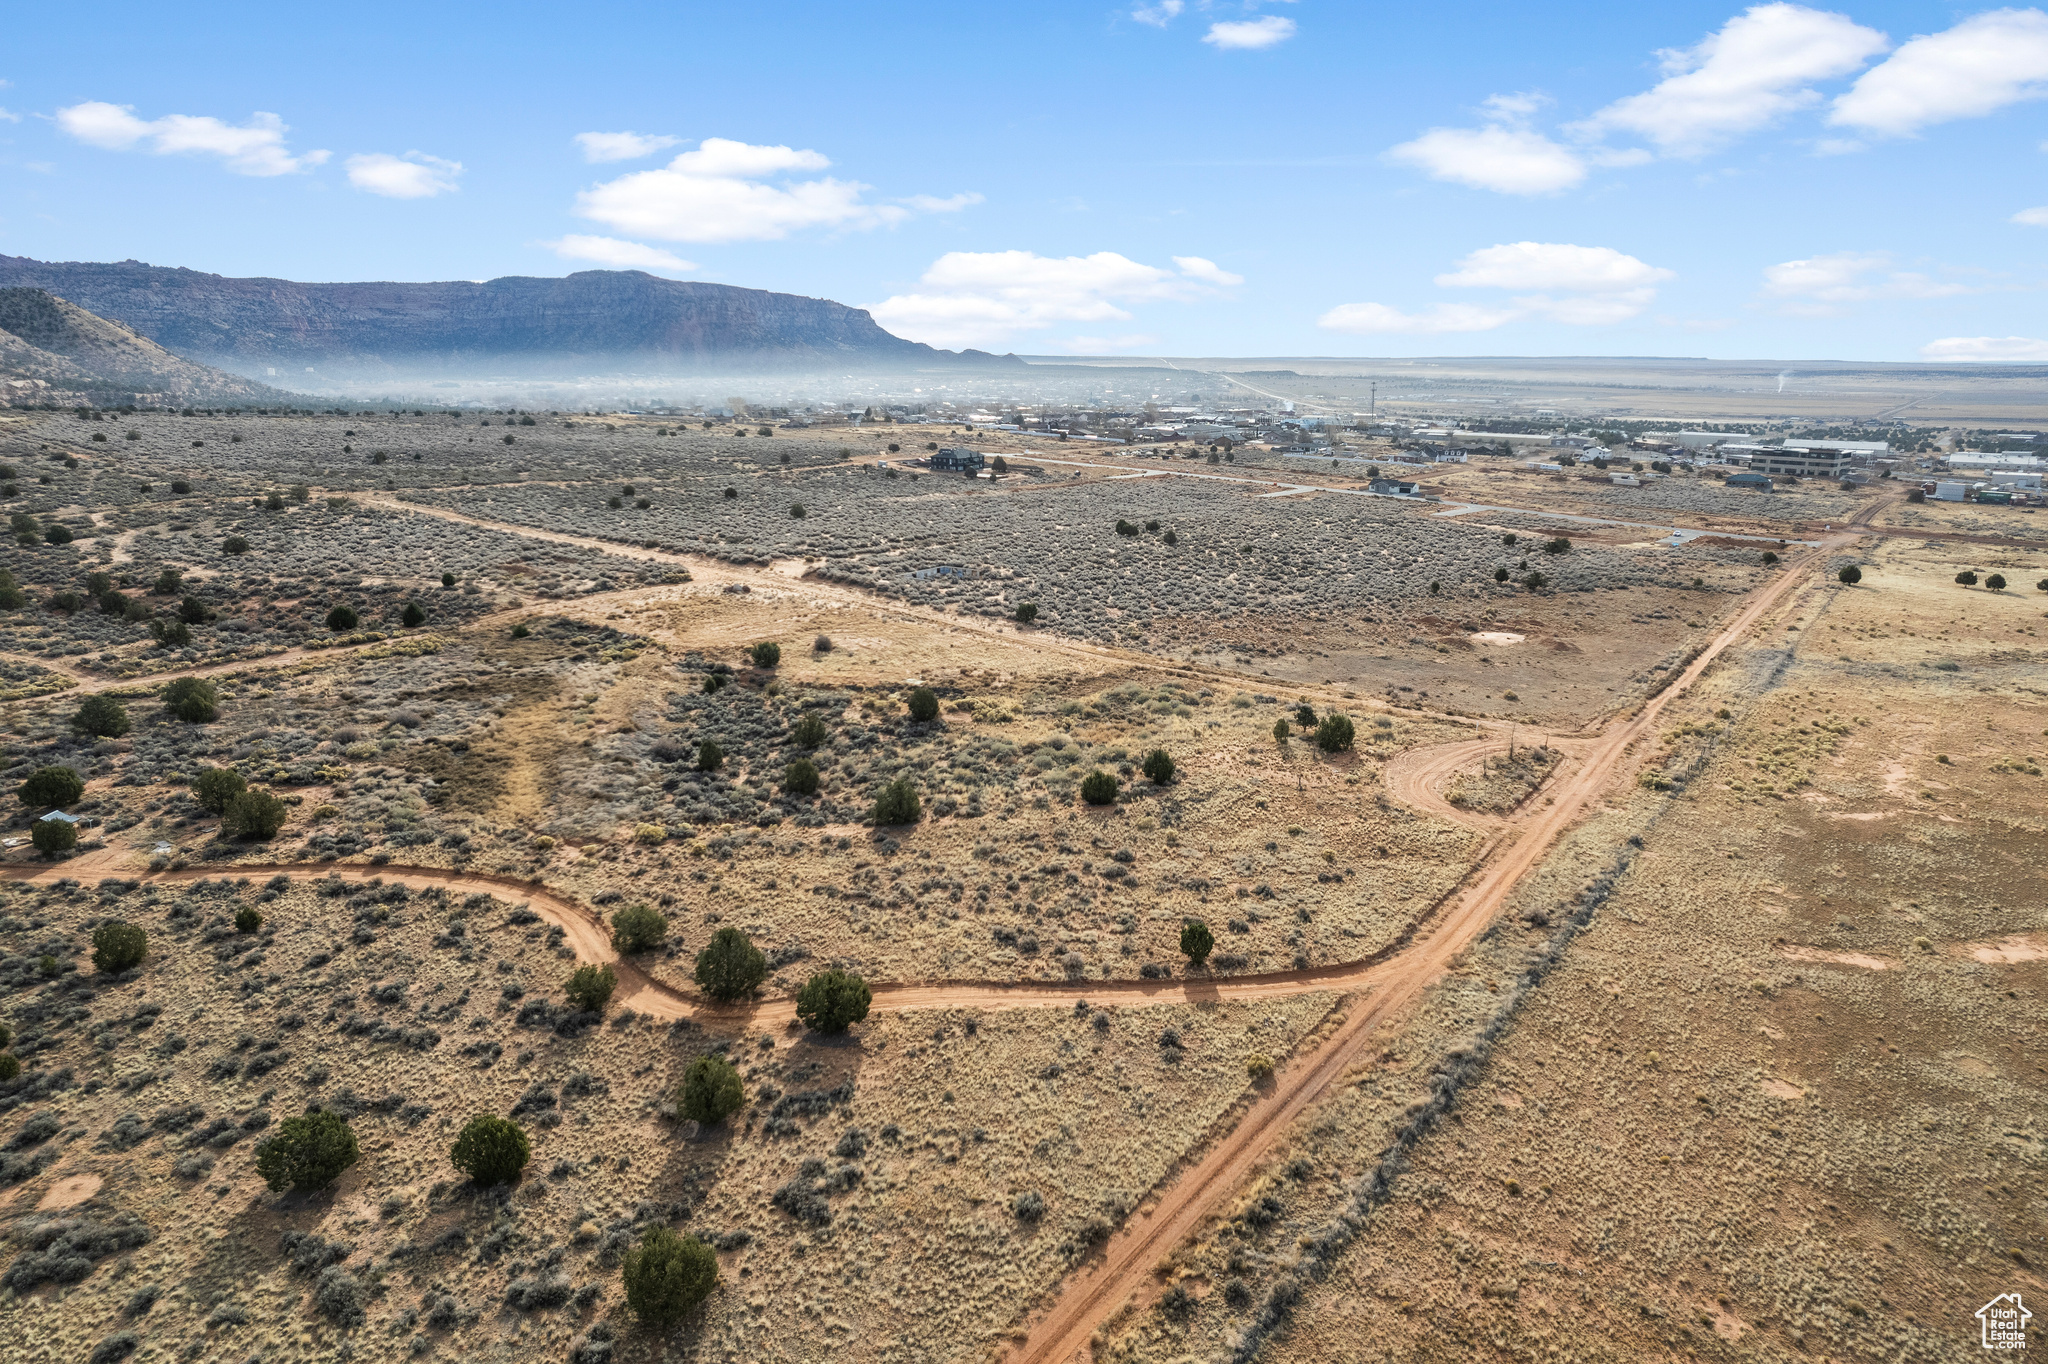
[{"x": 1496, "y": 899}]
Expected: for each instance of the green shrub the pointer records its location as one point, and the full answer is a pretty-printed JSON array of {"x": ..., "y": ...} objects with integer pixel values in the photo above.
[
  {"x": 766, "y": 654},
  {"x": 898, "y": 804},
  {"x": 590, "y": 987},
  {"x": 254, "y": 814},
  {"x": 413, "y": 615},
  {"x": 193, "y": 611},
  {"x": 833, "y": 1001},
  {"x": 1026, "y": 613},
  {"x": 117, "y": 945},
  {"x": 491, "y": 1150},
  {"x": 1335, "y": 734},
  {"x": 234, "y": 544},
  {"x": 714, "y": 683},
  {"x": 171, "y": 634},
  {"x": 638, "y": 928},
  {"x": 730, "y": 967},
  {"x": 51, "y": 788},
  {"x": 306, "y": 1152},
  {"x": 1098, "y": 788},
  {"x": 1996, "y": 582},
  {"x": 800, "y": 778},
  {"x": 1196, "y": 941},
  {"x": 10, "y": 1065},
  {"x": 520, "y": 631},
  {"x": 1849, "y": 574},
  {"x": 1282, "y": 731},
  {"x": 711, "y": 1091},
  {"x": 248, "y": 919},
  {"x": 102, "y": 717},
  {"x": 342, "y": 618},
  {"x": 1967, "y": 578},
  {"x": 1158, "y": 766},
  {"x": 710, "y": 757},
  {"x": 193, "y": 700},
  {"x": 924, "y": 705},
  {"x": 810, "y": 732},
  {"x": 447, "y": 580},
  {"x": 53, "y": 836},
  {"x": 668, "y": 1276},
  {"x": 1305, "y": 715},
  {"x": 170, "y": 582},
  {"x": 215, "y": 787}
]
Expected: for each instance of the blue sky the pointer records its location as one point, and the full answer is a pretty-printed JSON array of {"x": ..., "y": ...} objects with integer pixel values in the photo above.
[{"x": 1262, "y": 178}]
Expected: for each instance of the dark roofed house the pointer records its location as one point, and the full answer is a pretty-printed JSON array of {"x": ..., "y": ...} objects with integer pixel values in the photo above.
[
  {"x": 957, "y": 459},
  {"x": 1393, "y": 487}
]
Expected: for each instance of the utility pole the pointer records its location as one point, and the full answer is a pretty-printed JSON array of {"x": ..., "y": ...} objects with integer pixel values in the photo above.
[{"x": 1372, "y": 409}]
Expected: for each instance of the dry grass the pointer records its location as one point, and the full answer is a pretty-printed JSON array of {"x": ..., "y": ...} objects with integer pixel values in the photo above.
[{"x": 1771, "y": 1098}]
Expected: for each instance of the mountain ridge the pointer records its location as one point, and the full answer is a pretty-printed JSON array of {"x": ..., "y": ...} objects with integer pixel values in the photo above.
[
  {"x": 53, "y": 351},
  {"x": 582, "y": 322}
]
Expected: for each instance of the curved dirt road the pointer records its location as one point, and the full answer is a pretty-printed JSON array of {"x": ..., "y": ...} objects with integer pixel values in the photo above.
[
  {"x": 1416, "y": 778},
  {"x": 587, "y": 935},
  {"x": 1092, "y": 1296}
]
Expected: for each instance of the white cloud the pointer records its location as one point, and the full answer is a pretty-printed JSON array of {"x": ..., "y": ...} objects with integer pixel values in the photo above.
[
  {"x": 10, "y": 116},
  {"x": 925, "y": 203},
  {"x": 1979, "y": 66},
  {"x": 619, "y": 254},
  {"x": 1161, "y": 14},
  {"x": 1583, "y": 286},
  {"x": 412, "y": 176},
  {"x": 1506, "y": 156},
  {"x": 254, "y": 148},
  {"x": 1505, "y": 160},
  {"x": 986, "y": 298},
  {"x": 1553, "y": 265},
  {"x": 621, "y": 146},
  {"x": 2032, "y": 217},
  {"x": 1377, "y": 318},
  {"x": 1249, "y": 35},
  {"x": 2024, "y": 348},
  {"x": 1195, "y": 267},
  {"x": 1752, "y": 72},
  {"x": 716, "y": 194},
  {"x": 1817, "y": 285}
]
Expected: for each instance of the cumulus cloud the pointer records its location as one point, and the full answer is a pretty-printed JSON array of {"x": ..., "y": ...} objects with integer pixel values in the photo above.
[
  {"x": 1817, "y": 285},
  {"x": 253, "y": 148},
  {"x": 1195, "y": 267},
  {"x": 720, "y": 192},
  {"x": 412, "y": 176},
  {"x": 2009, "y": 348},
  {"x": 1504, "y": 159},
  {"x": 621, "y": 146},
  {"x": 1249, "y": 35},
  {"x": 1506, "y": 156},
  {"x": 1757, "y": 68},
  {"x": 622, "y": 255},
  {"x": 1553, "y": 265},
  {"x": 1978, "y": 67},
  {"x": 2032, "y": 217},
  {"x": 926, "y": 203},
  {"x": 986, "y": 298},
  {"x": 1580, "y": 286},
  {"x": 1161, "y": 14}
]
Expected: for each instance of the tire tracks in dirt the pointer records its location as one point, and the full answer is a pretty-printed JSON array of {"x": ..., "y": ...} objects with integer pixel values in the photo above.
[{"x": 1063, "y": 1332}]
